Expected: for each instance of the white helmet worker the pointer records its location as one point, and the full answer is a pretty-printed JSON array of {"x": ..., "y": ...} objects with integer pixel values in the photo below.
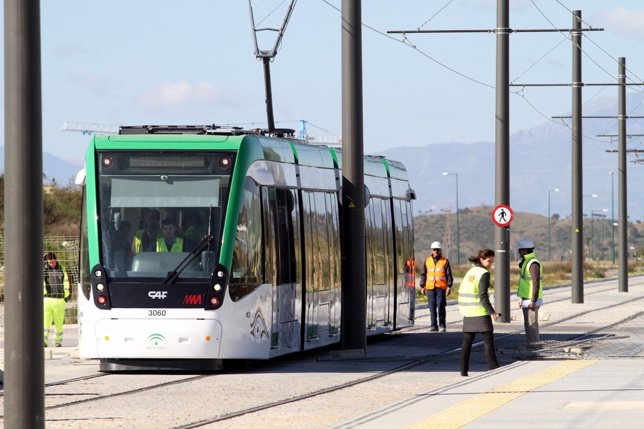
[
  {"x": 436, "y": 245},
  {"x": 525, "y": 243}
]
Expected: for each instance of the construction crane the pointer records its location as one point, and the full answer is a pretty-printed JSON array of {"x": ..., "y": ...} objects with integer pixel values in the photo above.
[{"x": 89, "y": 128}]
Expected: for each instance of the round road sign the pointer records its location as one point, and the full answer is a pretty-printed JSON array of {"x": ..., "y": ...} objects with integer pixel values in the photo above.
[{"x": 502, "y": 215}]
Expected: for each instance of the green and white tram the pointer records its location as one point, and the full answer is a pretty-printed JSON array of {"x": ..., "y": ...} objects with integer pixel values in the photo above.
[{"x": 252, "y": 267}]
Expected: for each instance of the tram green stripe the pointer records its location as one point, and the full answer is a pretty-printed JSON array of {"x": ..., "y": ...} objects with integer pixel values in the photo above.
[{"x": 470, "y": 410}]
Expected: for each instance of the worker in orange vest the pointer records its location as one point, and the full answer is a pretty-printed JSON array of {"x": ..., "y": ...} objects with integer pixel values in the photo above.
[{"x": 436, "y": 282}]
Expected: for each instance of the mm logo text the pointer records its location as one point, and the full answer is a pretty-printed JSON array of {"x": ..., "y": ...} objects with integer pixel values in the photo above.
[
  {"x": 192, "y": 299},
  {"x": 158, "y": 294}
]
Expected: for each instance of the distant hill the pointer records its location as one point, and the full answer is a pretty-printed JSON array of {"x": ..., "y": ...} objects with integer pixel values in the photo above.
[
  {"x": 540, "y": 159},
  {"x": 54, "y": 168},
  {"x": 476, "y": 231}
]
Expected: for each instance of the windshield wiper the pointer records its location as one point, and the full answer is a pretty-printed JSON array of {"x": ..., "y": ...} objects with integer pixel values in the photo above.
[{"x": 205, "y": 242}]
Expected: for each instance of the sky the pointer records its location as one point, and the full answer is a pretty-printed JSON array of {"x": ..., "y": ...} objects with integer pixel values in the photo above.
[{"x": 122, "y": 62}]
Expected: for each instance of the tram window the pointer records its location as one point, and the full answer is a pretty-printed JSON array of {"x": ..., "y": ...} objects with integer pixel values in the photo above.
[{"x": 247, "y": 256}]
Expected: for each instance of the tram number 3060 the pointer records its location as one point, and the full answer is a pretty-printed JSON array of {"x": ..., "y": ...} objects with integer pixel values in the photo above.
[{"x": 156, "y": 313}]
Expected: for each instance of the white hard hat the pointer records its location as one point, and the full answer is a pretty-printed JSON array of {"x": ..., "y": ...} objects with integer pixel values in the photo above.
[
  {"x": 525, "y": 243},
  {"x": 436, "y": 245}
]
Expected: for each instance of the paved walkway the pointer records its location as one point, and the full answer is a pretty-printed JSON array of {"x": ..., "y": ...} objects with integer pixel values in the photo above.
[{"x": 587, "y": 372}]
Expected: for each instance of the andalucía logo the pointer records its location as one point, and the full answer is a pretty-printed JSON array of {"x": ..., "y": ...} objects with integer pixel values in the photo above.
[{"x": 156, "y": 339}]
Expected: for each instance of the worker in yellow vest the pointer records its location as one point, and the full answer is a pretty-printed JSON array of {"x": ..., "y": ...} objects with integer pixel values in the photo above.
[
  {"x": 145, "y": 239},
  {"x": 530, "y": 290},
  {"x": 436, "y": 282},
  {"x": 56, "y": 295},
  {"x": 169, "y": 242},
  {"x": 476, "y": 308}
]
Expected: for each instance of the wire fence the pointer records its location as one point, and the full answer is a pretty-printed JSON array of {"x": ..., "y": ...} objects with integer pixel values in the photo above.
[{"x": 66, "y": 250}]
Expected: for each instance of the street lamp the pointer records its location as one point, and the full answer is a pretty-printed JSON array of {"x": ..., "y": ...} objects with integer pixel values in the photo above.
[
  {"x": 612, "y": 219},
  {"x": 593, "y": 215},
  {"x": 458, "y": 252},
  {"x": 549, "y": 220},
  {"x": 583, "y": 214}
]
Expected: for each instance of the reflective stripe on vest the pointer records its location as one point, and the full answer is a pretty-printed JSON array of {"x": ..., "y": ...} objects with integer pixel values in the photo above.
[
  {"x": 436, "y": 275},
  {"x": 525, "y": 279},
  {"x": 469, "y": 301}
]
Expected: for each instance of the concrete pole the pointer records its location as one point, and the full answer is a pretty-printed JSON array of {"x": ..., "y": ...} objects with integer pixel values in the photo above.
[
  {"x": 622, "y": 223},
  {"x": 577, "y": 171},
  {"x": 502, "y": 145},
  {"x": 24, "y": 381},
  {"x": 354, "y": 281}
]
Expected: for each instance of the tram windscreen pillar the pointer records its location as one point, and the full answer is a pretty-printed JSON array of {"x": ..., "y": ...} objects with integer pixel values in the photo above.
[{"x": 354, "y": 282}]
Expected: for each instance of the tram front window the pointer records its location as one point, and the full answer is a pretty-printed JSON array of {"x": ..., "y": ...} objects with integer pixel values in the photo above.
[{"x": 160, "y": 213}]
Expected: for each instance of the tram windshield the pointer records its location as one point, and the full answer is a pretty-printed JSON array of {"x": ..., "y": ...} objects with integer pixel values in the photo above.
[{"x": 159, "y": 207}]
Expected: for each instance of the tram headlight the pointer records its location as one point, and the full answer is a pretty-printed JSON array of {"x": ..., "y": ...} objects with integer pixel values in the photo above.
[
  {"x": 224, "y": 162},
  {"x": 100, "y": 287},
  {"x": 220, "y": 274},
  {"x": 107, "y": 161},
  {"x": 214, "y": 301},
  {"x": 98, "y": 273},
  {"x": 101, "y": 299},
  {"x": 217, "y": 287}
]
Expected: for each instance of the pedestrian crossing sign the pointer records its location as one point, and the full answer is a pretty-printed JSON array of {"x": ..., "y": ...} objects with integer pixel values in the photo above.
[{"x": 502, "y": 215}]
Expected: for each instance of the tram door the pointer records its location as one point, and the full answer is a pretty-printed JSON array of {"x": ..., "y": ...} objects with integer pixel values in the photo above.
[
  {"x": 281, "y": 250},
  {"x": 405, "y": 264},
  {"x": 322, "y": 268}
]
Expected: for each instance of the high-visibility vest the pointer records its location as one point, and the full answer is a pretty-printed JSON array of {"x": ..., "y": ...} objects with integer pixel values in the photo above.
[
  {"x": 48, "y": 289},
  {"x": 436, "y": 275},
  {"x": 469, "y": 301},
  {"x": 137, "y": 243},
  {"x": 525, "y": 279},
  {"x": 177, "y": 246}
]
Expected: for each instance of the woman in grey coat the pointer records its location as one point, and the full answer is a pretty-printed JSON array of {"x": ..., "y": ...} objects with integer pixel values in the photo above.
[{"x": 474, "y": 304}]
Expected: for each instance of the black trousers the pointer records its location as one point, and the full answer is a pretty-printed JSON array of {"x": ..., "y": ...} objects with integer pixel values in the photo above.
[{"x": 490, "y": 354}]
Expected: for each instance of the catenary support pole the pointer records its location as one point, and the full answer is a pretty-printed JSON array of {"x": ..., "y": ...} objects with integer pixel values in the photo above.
[
  {"x": 622, "y": 223},
  {"x": 24, "y": 388},
  {"x": 354, "y": 283},
  {"x": 502, "y": 178},
  {"x": 577, "y": 178}
]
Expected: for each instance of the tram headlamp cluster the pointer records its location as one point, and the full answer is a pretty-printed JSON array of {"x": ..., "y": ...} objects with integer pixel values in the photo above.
[
  {"x": 99, "y": 287},
  {"x": 217, "y": 289}
]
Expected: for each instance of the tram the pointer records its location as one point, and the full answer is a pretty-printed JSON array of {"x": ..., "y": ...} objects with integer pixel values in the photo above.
[{"x": 254, "y": 268}]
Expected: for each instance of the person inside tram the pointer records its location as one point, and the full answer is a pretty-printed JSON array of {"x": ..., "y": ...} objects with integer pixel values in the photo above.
[
  {"x": 169, "y": 242},
  {"x": 196, "y": 229},
  {"x": 145, "y": 239}
]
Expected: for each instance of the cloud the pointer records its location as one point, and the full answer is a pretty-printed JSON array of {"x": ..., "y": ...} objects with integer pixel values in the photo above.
[
  {"x": 628, "y": 24},
  {"x": 184, "y": 95}
]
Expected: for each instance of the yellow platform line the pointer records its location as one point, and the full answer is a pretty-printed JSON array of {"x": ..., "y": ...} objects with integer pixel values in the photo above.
[{"x": 486, "y": 402}]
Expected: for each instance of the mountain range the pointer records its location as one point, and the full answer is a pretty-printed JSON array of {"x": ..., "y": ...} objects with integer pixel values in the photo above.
[
  {"x": 540, "y": 160},
  {"x": 55, "y": 169}
]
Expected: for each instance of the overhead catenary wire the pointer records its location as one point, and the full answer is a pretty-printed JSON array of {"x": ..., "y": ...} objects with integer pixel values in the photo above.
[{"x": 405, "y": 41}]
